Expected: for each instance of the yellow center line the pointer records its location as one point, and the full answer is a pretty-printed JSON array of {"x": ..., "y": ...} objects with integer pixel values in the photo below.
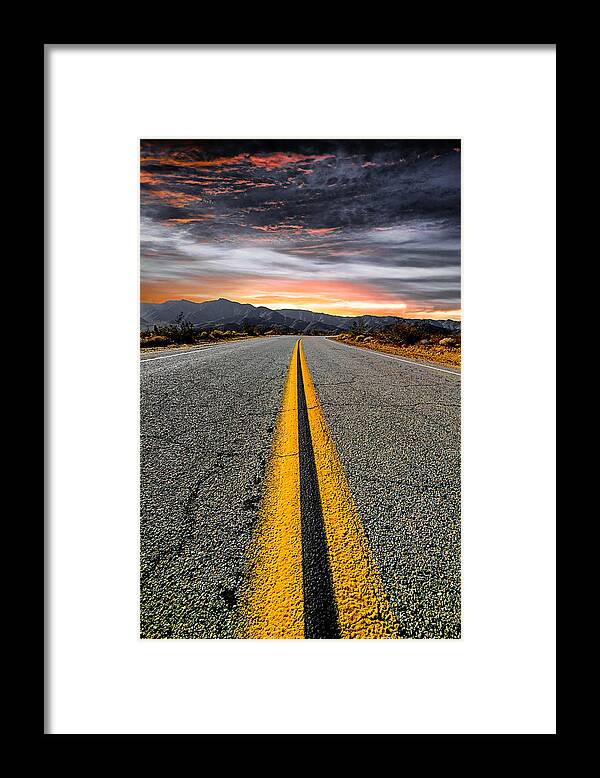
[
  {"x": 363, "y": 607},
  {"x": 272, "y": 604}
]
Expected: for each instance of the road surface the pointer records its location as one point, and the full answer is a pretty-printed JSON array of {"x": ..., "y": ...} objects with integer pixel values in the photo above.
[{"x": 290, "y": 491}]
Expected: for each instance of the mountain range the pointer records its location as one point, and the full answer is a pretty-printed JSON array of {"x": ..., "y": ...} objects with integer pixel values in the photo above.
[{"x": 226, "y": 314}]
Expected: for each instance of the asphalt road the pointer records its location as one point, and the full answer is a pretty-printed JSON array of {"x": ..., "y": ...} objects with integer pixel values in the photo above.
[{"x": 207, "y": 426}]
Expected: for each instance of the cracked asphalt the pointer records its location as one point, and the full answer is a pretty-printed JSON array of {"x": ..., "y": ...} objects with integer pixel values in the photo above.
[
  {"x": 207, "y": 422},
  {"x": 396, "y": 427}
]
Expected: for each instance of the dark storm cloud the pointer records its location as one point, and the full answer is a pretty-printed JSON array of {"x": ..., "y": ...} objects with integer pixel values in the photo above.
[
  {"x": 331, "y": 186},
  {"x": 363, "y": 208}
]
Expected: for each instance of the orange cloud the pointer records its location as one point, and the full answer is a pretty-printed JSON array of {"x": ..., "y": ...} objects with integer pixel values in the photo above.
[
  {"x": 280, "y": 159},
  {"x": 199, "y": 181},
  {"x": 176, "y": 199},
  {"x": 278, "y": 227},
  {"x": 204, "y": 218},
  {"x": 148, "y": 178},
  {"x": 307, "y": 230},
  {"x": 182, "y": 161},
  {"x": 266, "y": 161}
]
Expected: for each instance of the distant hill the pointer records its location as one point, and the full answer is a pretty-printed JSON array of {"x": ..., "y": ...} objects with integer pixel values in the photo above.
[{"x": 226, "y": 314}]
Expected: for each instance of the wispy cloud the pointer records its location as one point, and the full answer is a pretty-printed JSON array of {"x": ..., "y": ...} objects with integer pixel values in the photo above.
[{"x": 375, "y": 224}]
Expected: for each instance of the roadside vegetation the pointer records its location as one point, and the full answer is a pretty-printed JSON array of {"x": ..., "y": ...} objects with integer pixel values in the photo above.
[
  {"x": 183, "y": 333},
  {"x": 426, "y": 343},
  {"x": 410, "y": 341}
]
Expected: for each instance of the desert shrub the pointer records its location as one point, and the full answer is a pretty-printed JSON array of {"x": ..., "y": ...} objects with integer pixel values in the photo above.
[
  {"x": 357, "y": 328},
  {"x": 217, "y": 334},
  {"x": 449, "y": 342},
  {"x": 368, "y": 339},
  {"x": 155, "y": 340},
  {"x": 411, "y": 334},
  {"x": 182, "y": 331}
]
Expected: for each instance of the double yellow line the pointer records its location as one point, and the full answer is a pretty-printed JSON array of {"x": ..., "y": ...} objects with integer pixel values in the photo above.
[{"x": 275, "y": 601}]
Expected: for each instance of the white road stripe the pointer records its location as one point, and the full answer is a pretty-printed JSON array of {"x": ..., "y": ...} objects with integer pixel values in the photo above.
[
  {"x": 214, "y": 347},
  {"x": 181, "y": 353},
  {"x": 399, "y": 359}
]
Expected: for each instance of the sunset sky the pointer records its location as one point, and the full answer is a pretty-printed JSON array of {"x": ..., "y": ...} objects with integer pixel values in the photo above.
[{"x": 341, "y": 227}]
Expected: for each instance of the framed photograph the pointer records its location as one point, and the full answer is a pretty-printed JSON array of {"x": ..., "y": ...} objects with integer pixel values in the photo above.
[
  {"x": 273, "y": 478},
  {"x": 300, "y": 389}
]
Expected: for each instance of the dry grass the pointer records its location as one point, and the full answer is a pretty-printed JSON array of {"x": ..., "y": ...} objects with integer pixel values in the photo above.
[
  {"x": 158, "y": 343},
  {"x": 434, "y": 352}
]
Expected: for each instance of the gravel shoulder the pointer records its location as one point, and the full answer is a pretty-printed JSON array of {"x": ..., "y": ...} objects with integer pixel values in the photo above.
[{"x": 423, "y": 355}]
